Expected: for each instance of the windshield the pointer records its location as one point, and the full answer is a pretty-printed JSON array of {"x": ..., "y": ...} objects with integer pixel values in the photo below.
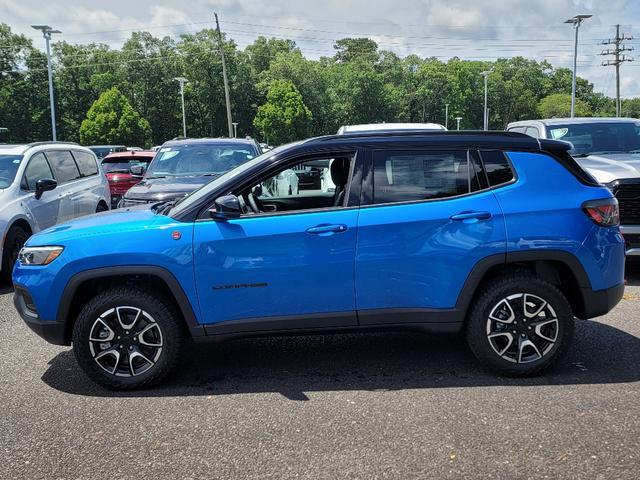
[
  {"x": 8, "y": 168},
  {"x": 121, "y": 165},
  {"x": 185, "y": 202},
  {"x": 199, "y": 159},
  {"x": 604, "y": 137}
]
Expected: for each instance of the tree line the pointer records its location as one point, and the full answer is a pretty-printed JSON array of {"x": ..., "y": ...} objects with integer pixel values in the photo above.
[{"x": 129, "y": 95}]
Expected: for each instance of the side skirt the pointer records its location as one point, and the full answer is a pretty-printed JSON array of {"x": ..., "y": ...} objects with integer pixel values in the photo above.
[{"x": 425, "y": 320}]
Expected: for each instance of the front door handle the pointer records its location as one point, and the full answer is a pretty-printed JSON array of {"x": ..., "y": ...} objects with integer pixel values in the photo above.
[
  {"x": 471, "y": 216},
  {"x": 327, "y": 229}
]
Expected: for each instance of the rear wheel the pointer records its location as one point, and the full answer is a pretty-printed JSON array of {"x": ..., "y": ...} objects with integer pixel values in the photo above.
[
  {"x": 14, "y": 241},
  {"x": 101, "y": 208},
  {"x": 127, "y": 338},
  {"x": 519, "y": 325}
]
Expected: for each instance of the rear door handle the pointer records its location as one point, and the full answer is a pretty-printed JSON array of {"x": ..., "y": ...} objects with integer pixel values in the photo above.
[
  {"x": 471, "y": 216},
  {"x": 326, "y": 229}
]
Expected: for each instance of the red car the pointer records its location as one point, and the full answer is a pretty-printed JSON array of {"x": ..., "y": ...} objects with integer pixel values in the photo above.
[{"x": 118, "y": 168}]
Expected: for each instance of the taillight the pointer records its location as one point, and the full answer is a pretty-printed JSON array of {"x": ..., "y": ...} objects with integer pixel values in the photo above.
[{"x": 603, "y": 212}]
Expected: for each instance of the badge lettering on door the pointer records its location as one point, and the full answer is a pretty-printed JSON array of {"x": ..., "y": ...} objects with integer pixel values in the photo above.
[{"x": 240, "y": 285}]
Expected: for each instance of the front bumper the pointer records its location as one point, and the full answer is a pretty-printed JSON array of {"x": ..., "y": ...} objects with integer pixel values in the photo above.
[
  {"x": 52, "y": 331},
  {"x": 600, "y": 302},
  {"x": 631, "y": 234}
]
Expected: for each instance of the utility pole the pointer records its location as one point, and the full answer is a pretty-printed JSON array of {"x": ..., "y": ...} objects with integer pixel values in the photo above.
[
  {"x": 575, "y": 21},
  {"x": 446, "y": 115},
  {"x": 224, "y": 78},
  {"x": 458, "y": 122},
  {"x": 618, "y": 59},
  {"x": 182, "y": 81},
  {"x": 46, "y": 33}
]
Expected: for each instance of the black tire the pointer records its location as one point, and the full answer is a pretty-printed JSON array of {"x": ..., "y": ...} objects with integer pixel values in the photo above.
[
  {"x": 165, "y": 319},
  {"x": 14, "y": 241},
  {"x": 101, "y": 208},
  {"x": 509, "y": 351}
]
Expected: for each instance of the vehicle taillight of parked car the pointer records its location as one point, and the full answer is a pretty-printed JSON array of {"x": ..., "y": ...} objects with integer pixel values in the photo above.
[{"x": 604, "y": 212}]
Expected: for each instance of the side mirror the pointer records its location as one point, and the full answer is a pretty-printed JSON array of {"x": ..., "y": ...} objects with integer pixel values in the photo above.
[
  {"x": 137, "y": 170},
  {"x": 226, "y": 208},
  {"x": 44, "y": 185}
]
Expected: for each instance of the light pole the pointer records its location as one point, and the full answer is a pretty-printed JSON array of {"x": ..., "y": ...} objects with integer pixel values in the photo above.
[
  {"x": 235, "y": 129},
  {"x": 575, "y": 21},
  {"x": 182, "y": 81},
  {"x": 458, "y": 122},
  {"x": 446, "y": 115},
  {"x": 47, "y": 31},
  {"x": 485, "y": 74}
]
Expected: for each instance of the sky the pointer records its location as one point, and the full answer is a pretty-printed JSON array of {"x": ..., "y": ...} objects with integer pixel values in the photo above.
[{"x": 469, "y": 29}]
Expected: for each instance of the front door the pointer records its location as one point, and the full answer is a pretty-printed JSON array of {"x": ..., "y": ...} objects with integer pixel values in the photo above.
[
  {"x": 288, "y": 265},
  {"x": 431, "y": 220}
]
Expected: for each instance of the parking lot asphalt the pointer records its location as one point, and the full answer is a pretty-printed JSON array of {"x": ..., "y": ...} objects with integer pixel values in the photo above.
[{"x": 398, "y": 405}]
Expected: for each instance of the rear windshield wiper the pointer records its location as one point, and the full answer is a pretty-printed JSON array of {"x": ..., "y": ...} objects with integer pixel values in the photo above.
[{"x": 156, "y": 176}]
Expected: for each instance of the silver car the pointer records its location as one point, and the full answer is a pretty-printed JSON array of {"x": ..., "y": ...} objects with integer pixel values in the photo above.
[
  {"x": 607, "y": 148},
  {"x": 42, "y": 184}
]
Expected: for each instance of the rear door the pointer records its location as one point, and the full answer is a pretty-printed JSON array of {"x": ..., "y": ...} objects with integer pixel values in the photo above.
[
  {"x": 67, "y": 175},
  {"x": 87, "y": 191},
  {"x": 430, "y": 220}
]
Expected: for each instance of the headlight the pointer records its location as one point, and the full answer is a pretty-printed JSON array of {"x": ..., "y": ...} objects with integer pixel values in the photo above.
[{"x": 39, "y": 255}]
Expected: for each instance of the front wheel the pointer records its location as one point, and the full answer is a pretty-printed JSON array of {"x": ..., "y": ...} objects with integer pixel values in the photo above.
[
  {"x": 127, "y": 338},
  {"x": 519, "y": 325},
  {"x": 14, "y": 241}
]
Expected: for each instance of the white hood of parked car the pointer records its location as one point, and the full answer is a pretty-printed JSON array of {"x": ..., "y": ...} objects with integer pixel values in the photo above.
[{"x": 606, "y": 168}]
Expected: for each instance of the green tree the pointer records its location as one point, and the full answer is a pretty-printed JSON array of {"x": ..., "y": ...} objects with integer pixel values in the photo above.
[
  {"x": 112, "y": 119},
  {"x": 285, "y": 117},
  {"x": 349, "y": 49},
  {"x": 631, "y": 107},
  {"x": 558, "y": 105}
]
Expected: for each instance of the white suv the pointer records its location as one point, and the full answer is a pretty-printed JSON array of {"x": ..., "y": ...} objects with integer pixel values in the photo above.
[{"x": 42, "y": 184}]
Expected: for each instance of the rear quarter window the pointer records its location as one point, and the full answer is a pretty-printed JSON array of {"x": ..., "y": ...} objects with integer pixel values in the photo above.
[
  {"x": 496, "y": 167},
  {"x": 86, "y": 163}
]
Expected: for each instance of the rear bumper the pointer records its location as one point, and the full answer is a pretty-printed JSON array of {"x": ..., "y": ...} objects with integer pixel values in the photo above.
[
  {"x": 52, "y": 331},
  {"x": 600, "y": 302}
]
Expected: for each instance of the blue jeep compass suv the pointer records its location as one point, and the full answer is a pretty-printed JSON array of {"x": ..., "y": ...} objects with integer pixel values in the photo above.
[{"x": 497, "y": 235}]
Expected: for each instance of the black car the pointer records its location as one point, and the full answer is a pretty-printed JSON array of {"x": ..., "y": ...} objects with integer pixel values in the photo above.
[
  {"x": 182, "y": 166},
  {"x": 102, "y": 151}
]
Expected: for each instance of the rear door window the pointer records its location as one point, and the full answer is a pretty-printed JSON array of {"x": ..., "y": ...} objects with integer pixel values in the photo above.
[
  {"x": 63, "y": 165},
  {"x": 405, "y": 176},
  {"x": 86, "y": 163},
  {"x": 37, "y": 169}
]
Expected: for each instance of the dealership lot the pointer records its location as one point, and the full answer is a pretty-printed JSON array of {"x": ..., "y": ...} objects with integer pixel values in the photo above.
[{"x": 364, "y": 406}]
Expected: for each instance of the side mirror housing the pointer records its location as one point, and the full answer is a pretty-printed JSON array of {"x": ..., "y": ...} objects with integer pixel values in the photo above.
[
  {"x": 137, "y": 170},
  {"x": 226, "y": 208},
  {"x": 44, "y": 185}
]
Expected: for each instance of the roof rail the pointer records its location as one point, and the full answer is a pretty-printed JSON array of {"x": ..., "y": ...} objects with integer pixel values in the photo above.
[{"x": 51, "y": 142}]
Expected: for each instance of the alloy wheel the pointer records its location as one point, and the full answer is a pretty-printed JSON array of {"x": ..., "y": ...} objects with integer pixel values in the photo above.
[
  {"x": 125, "y": 341},
  {"x": 522, "y": 328}
]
